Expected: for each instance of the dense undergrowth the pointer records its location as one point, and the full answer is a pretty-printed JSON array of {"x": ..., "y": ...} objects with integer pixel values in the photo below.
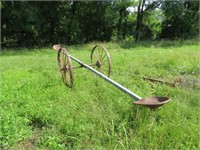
[{"x": 38, "y": 111}]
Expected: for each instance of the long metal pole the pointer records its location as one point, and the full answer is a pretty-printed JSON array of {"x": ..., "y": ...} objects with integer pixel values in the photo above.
[{"x": 120, "y": 87}]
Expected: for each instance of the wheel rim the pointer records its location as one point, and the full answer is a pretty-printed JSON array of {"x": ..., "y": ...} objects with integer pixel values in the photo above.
[
  {"x": 65, "y": 67},
  {"x": 100, "y": 60}
]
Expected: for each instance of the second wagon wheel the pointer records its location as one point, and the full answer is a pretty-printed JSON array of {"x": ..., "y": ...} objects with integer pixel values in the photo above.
[
  {"x": 65, "y": 67},
  {"x": 100, "y": 60}
]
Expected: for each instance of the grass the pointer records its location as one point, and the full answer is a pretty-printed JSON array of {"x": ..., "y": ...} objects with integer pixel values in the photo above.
[{"x": 37, "y": 111}]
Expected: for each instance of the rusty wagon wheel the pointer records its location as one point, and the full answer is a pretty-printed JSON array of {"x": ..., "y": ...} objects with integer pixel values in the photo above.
[
  {"x": 100, "y": 60},
  {"x": 65, "y": 67}
]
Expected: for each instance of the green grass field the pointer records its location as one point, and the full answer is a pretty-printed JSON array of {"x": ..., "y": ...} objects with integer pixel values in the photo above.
[{"x": 37, "y": 111}]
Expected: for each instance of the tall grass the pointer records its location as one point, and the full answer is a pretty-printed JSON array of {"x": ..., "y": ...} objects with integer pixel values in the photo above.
[{"x": 37, "y": 111}]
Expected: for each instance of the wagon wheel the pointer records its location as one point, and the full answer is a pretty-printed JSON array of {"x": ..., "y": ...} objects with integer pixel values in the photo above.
[
  {"x": 65, "y": 67},
  {"x": 100, "y": 60}
]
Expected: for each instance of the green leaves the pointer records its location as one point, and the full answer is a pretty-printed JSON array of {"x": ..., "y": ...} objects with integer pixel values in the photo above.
[
  {"x": 39, "y": 24},
  {"x": 180, "y": 19}
]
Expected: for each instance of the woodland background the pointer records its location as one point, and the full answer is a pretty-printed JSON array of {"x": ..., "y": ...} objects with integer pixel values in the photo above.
[{"x": 42, "y": 23}]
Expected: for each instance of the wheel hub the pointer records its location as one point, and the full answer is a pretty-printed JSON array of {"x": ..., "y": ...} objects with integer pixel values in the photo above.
[{"x": 98, "y": 63}]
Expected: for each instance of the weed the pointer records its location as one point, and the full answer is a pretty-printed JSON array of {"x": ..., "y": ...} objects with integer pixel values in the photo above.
[{"x": 37, "y": 111}]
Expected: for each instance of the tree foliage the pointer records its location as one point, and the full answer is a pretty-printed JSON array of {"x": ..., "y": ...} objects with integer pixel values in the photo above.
[
  {"x": 181, "y": 19},
  {"x": 41, "y": 23}
]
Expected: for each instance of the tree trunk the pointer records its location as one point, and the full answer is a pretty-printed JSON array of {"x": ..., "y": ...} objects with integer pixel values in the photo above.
[
  {"x": 119, "y": 24},
  {"x": 140, "y": 12}
]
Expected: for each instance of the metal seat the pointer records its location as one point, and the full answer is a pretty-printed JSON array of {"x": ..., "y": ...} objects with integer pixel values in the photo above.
[{"x": 152, "y": 102}]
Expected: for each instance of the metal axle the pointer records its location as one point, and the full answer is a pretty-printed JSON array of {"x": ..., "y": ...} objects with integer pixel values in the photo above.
[{"x": 117, "y": 85}]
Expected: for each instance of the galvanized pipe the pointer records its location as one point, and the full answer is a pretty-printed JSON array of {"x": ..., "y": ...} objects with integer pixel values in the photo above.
[{"x": 117, "y": 85}]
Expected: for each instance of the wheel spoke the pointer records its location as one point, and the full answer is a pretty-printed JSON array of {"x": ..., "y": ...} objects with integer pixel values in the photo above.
[
  {"x": 65, "y": 69},
  {"x": 105, "y": 61},
  {"x": 101, "y": 60},
  {"x": 99, "y": 51},
  {"x": 97, "y": 55},
  {"x": 103, "y": 57}
]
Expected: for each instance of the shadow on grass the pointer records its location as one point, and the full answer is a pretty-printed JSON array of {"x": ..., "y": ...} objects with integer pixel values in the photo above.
[
  {"x": 127, "y": 44},
  {"x": 37, "y": 122}
]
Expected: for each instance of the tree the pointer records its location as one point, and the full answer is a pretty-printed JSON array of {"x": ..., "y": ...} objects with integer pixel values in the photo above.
[
  {"x": 149, "y": 20},
  {"x": 38, "y": 24},
  {"x": 121, "y": 9},
  {"x": 181, "y": 19},
  {"x": 140, "y": 12},
  {"x": 152, "y": 20},
  {"x": 14, "y": 23}
]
